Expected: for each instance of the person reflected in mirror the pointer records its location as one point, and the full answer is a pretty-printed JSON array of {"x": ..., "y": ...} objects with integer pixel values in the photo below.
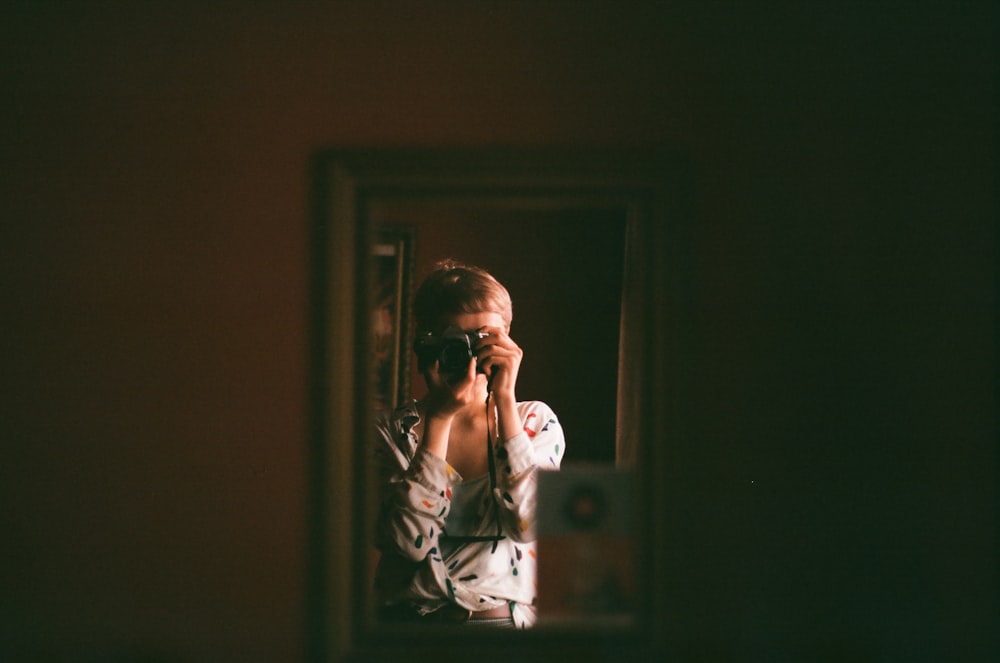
[{"x": 457, "y": 470}]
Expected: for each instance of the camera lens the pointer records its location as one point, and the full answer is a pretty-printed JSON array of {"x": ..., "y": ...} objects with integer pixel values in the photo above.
[{"x": 454, "y": 357}]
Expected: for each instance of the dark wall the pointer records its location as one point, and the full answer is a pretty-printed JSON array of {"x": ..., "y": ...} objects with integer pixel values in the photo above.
[{"x": 836, "y": 493}]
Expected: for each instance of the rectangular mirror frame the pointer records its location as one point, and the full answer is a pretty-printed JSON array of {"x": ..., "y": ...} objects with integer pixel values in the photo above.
[{"x": 651, "y": 185}]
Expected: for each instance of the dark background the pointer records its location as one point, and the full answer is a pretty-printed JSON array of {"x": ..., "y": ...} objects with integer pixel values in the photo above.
[{"x": 838, "y": 497}]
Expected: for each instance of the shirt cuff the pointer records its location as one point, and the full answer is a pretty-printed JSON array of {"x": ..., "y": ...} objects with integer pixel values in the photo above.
[{"x": 517, "y": 454}]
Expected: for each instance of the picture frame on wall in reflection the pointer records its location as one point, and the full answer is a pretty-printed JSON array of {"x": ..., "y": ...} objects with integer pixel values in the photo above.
[{"x": 392, "y": 259}]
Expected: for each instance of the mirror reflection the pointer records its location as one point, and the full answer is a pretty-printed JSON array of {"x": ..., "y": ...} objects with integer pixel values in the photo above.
[
  {"x": 590, "y": 245},
  {"x": 495, "y": 348}
]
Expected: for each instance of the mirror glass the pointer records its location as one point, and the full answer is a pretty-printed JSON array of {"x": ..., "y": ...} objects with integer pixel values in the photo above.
[{"x": 576, "y": 240}]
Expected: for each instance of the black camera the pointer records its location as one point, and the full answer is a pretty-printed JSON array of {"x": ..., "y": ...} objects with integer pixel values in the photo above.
[{"x": 453, "y": 348}]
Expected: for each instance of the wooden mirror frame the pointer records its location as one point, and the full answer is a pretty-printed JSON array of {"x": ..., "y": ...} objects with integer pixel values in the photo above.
[{"x": 651, "y": 188}]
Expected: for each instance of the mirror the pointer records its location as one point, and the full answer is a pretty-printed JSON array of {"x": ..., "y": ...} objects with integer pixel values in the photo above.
[{"x": 593, "y": 244}]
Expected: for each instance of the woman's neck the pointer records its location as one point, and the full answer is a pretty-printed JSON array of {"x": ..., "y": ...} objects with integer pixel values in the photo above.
[{"x": 472, "y": 414}]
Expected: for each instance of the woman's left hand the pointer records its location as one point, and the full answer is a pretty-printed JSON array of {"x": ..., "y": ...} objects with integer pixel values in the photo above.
[{"x": 499, "y": 357}]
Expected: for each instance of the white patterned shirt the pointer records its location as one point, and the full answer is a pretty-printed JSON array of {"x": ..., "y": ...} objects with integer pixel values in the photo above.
[{"x": 423, "y": 501}]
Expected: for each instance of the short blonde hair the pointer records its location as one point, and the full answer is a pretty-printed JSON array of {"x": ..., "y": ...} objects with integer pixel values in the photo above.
[{"x": 454, "y": 288}]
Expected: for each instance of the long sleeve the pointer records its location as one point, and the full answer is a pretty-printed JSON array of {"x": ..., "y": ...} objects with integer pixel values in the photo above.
[
  {"x": 540, "y": 445},
  {"x": 414, "y": 493}
]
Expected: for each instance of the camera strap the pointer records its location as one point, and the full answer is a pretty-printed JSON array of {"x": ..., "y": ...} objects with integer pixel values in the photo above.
[{"x": 492, "y": 462}]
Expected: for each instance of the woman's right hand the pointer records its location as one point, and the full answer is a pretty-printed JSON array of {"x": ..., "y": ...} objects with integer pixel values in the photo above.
[
  {"x": 450, "y": 392},
  {"x": 447, "y": 394}
]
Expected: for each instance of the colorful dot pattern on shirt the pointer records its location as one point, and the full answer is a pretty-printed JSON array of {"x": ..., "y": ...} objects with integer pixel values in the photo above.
[{"x": 468, "y": 583}]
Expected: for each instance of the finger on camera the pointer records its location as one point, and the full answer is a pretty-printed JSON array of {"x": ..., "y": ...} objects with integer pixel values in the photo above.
[{"x": 492, "y": 336}]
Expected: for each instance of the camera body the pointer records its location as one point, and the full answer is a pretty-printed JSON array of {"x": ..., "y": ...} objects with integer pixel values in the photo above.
[{"x": 453, "y": 348}]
